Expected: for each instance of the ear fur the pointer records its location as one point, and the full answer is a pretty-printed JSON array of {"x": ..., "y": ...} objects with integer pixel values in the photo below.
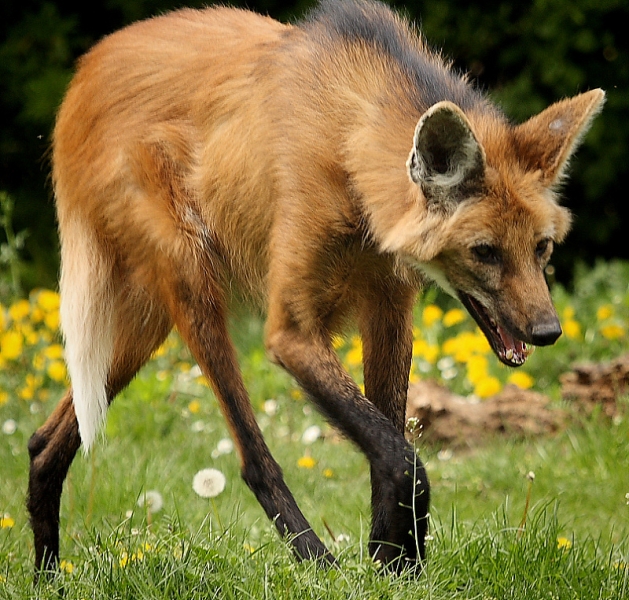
[
  {"x": 548, "y": 140},
  {"x": 446, "y": 161}
]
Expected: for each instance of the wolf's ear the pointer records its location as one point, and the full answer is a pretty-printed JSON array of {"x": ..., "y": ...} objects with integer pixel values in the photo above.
[
  {"x": 548, "y": 140},
  {"x": 446, "y": 161}
]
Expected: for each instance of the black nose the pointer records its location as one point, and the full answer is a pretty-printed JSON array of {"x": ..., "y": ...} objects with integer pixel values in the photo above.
[{"x": 545, "y": 333}]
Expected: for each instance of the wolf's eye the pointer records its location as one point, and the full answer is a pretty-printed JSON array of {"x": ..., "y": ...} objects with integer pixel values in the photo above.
[
  {"x": 486, "y": 254},
  {"x": 543, "y": 246}
]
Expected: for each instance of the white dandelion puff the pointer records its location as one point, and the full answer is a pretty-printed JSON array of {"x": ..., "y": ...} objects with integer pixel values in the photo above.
[
  {"x": 152, "y": 500},
  {"x": 270, "y": 407},
  {"x": 224, "y": 446},
  {"x": 311, "y": 435},
  {"x": 9, "y": 427},
  {"x": 209, "y": 483}
]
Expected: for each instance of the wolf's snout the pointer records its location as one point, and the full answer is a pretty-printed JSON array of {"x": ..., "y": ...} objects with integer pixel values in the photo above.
[{"x": 545, "y": 333}]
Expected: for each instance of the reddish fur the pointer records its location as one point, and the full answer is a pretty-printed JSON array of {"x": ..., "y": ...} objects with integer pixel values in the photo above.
[{"x": 207, "y": 153}]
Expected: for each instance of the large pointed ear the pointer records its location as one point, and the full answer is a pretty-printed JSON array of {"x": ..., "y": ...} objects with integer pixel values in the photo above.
[
  {"x": 446, "y": 161},
  {"x": 548, "y": 140}
]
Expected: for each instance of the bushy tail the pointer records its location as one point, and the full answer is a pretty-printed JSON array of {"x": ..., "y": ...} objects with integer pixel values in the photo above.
[{"x": 87, "y": 300}]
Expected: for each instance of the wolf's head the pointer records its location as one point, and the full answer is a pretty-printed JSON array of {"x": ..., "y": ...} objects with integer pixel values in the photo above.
[{"x": 489, "y": 214}]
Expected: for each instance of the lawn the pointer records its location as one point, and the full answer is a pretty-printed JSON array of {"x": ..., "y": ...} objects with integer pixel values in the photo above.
[{"x": 134, "y": 527}]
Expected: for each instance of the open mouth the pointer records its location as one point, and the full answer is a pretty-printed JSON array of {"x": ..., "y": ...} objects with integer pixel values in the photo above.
[{"x": 511, "y": 351}]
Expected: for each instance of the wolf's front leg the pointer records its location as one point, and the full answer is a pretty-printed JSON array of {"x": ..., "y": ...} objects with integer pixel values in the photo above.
[
  {"x": 386, "y": 325},
  {"x": 401, "y": 490}
]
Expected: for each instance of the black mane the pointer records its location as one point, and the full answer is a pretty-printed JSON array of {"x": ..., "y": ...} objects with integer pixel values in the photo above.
[{"x": 374, "y": 24}]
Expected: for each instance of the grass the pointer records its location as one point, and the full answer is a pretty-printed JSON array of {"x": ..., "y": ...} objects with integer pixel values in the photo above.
[{"x": 166, "y": 426}]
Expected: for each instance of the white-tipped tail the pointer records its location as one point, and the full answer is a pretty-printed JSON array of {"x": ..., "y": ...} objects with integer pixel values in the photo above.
[{"x": 87, "y": 325}]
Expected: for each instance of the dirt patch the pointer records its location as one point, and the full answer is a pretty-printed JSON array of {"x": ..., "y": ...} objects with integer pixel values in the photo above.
[
  {"x": 593, "y": 385},
  {"x": 459, "y": 422}
]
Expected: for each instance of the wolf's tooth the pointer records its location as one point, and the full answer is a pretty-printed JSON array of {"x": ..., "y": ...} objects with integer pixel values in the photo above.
[{"x": 509, "y": 354}]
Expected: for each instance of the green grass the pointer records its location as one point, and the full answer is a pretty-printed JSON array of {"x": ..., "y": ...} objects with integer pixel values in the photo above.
[{"x": 157, "y": 437}]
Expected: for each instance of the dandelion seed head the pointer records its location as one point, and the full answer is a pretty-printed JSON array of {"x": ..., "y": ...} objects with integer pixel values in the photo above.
[
  {"x": 9, "y": 427},
  {"x": 209, "y": 483},
  {"x": 224, "y": 446},
  {"x": 270, "y": 407},
  {"x": 311, "y": 434},
  {"x": 152, "y": 500}
]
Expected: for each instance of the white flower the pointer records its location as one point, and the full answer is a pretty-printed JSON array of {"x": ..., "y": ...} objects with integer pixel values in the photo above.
[
  {"x": 9, "y": 427},
  {"x": 209, "y": 483},
  {"x": 270, "y": 407},
  {"x": 197, "y": 426},
  {"x": 153, "y": 501},
  {"x": 445, "y": 454},
  {"x": 225, "y": 446},
  {"x": 311, "y": 435}
]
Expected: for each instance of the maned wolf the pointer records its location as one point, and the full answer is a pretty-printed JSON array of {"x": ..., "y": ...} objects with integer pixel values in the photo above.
[{"x": 322, "y": 170}]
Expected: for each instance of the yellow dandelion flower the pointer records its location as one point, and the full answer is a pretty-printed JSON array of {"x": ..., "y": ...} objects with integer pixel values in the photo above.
[
  {"x": 31, "y": 338},
  {"x": 604, "y": 312},
  {"x": 19, "y": 310},
  {"x": 489, "y": 386},
  {"x": 429, "y": 352},
  {"x": 572, "y": 329},
  {"x": 328, "y": 473},
  {"x": 48, "y": 300},
  {"x": 612, "y": 332},
  {"x": 306, "y": 462},
  {"x": 66, "y": 566},
  {"x": 465, "y": 345},
  {"x": 355, "y": 355},
  {"x": 26, "y": 393},
  {"x": 43, "y": 395},
  {"x": 6, "y": 522},
  {"x": 194, "y": 407},
  {"x": 201, "y": 380},
  {"x": 4, "y": 397},
  {"x": 521, "y": 379},
  {"x": 53, "y": 352},
  {"x": 57, "y": 370},
  {"x": 477, "y": 366},
  {"x": 564, "y": 543},
  {"x": 568, "y": 313},
  {"x": 11, "y": 345},
  {"x": 52, "y": 321},
  {"x": 296, "y": 394},
  {"x": 249, "y": 548},
  {"x": 37, "y": 315},
  {"x": 161, "y": 351},
  {"x": 337, "y": 342},
  {"x": 453, "y": 317},
  {"x": 431, "y": 315}
]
